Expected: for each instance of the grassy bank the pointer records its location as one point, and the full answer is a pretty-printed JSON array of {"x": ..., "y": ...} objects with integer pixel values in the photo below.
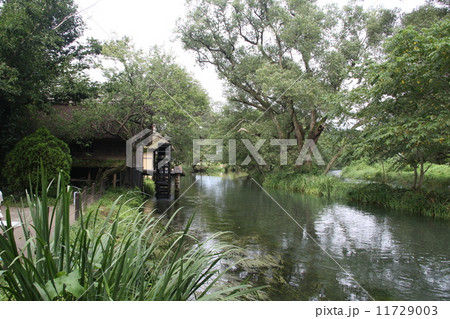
[
  {"x": 113, "y": 252},
  {"x": 436, "y": 177},
  {"x": 428, "y": 203}
]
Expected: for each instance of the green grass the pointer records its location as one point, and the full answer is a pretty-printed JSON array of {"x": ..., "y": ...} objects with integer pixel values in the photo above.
[
  {"x": 130, "y": 199},
  {"x": 149, "y": 187},
  {"x": 321, "y": 185},
  {"x": 21, "y": 201},
  {"x": 433, "y": 203},
  {"x": 437, "y": 176},
  {"x": 3, "y": 296},
  {"x": 430, "y": 203},
  {"x": 114, "y": 252}
]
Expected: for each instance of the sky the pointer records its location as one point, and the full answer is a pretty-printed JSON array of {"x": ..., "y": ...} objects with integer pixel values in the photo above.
[{"x": 152, "y": 22}]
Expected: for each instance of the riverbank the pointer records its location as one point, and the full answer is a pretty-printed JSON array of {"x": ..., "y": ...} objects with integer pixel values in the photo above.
[
  {"x": 431, "y": 203},
  {"x": 437, "y": 177},
  {"x": 115, "y": 251}
]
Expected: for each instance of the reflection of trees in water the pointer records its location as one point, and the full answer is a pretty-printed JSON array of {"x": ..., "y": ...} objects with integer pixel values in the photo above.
[
  {"x": 385, "y": 253},
  {"x": 389, "y": 255}
]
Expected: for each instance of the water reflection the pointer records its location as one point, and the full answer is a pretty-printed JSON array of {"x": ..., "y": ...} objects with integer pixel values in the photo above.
[{"x": 390, "y": 255}]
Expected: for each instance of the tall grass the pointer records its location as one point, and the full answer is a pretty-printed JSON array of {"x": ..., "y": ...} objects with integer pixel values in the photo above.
[
  {"x": 428, "y": 203},
  {"x": 321, "y": 185},
  {"x": 107, "y": 257},
  {"x": 149, "y": 187},
  {"x": 431, "y": 203},
  {"x": 436, "y": 177}
]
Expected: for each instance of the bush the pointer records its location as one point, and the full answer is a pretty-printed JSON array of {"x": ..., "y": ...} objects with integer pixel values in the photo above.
[{"x": 24, "y": 160}]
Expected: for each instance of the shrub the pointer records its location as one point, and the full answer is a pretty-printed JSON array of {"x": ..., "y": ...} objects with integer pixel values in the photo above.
[{"x": 24, "y": 160}]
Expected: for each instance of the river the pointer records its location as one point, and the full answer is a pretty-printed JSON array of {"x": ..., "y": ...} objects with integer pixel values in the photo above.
[{"x": 312, "y": 248}]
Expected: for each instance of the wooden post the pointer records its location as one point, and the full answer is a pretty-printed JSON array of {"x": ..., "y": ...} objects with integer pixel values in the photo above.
[
  {"x": 84, "y": 197},
  {"x": 177, "y": 172},
  {"x": 77, "y": 204},
  {"x": 93, "y": 192},
  {"x": 114, "y": 180},
  {"x": 177, "y": 182}
]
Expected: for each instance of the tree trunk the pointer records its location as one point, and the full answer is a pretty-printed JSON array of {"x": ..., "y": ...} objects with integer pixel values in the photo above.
[
  {"x": 415, "y": 177},
  {"x": 298, "y": 130},
  {"x": 333, "y": 159},
  {"x": 277, "y": 124},
  {"x": 422, "y": 171}
]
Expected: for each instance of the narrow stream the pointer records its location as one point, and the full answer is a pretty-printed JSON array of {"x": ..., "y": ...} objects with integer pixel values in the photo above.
[{"x": 332, "y": 251}]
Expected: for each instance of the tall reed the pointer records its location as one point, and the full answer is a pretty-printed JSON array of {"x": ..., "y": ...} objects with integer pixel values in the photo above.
[
  {"x": 107, "y": 257},
  {"x": 431, "y": 203}
]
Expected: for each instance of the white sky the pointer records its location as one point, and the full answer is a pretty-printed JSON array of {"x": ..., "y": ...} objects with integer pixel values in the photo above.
[{"x": 152, "y": 22}]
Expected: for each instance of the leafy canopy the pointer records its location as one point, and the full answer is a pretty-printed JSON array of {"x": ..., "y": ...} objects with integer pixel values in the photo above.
[
  {"x": 287, "y": 63},
  {"x": 38, "y": 47},
  {"x": 408, "y": 113},
  {"x": 144, "y": 89}
]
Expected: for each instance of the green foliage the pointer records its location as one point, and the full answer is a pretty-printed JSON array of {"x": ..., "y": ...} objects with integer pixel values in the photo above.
[
  {"x": 149, "y": 187},
  {"x": 37, "y": 45},
  {"x": 37, "y": 38},
  {"x": 322, "y": 185},
  {"x": 25, "y": 159},
  {"x": 427, "y": 203},
  {"x": 108, "y": 257},
  {"x": 3, "y": 296},
  {"x": 277, "y": 60},
  {"x": 425, "y": 16},
  {"x": 437, "y": 176},
  {"x": 361, "y": 170},
  {"x": 73, "y": 87},
  {"x": 430, "y": 203},
  {"x": 408, "y": 114},
  {"x": 130, "y": 200},
  {"x": 145, "y": 89}
]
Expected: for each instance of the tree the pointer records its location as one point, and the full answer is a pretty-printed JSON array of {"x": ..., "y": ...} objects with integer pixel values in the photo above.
[
  {"x": 24, "y": 160},
  {"x": 408, "y": 115},
  {"x": 145, "y": 89},
  {"x": 286, "y": 59},
  {"x": 37, "y": 37},
  {"x": 38, "y": 43},
  {"x": 426, "y": 15},
  {"x": 73, "y": 85}
]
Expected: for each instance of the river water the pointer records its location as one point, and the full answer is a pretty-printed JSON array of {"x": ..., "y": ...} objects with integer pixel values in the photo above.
[{"x": 312, "y": 248}]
